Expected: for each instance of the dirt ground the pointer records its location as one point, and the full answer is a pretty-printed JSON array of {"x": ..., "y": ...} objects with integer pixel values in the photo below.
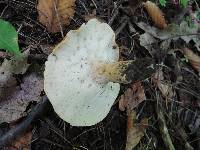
[{"x": 181, "y": 112}]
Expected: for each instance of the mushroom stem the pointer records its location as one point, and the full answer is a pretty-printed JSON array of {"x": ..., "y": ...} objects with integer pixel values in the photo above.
[{"x": 127, "y": 71}]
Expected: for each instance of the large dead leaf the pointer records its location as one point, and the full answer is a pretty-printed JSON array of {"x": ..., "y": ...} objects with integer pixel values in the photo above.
[
  {"x": 172, "y": 32},
  {"x": 132, "y": 97},
  {"x": 165, "y": 89},
  {"x": 134, "y": 131},
  {"x": 14, "y": 100},
  {"x": 193, "y": 59},
  {"x": 156, "y": 14},
  {"x": 55, "y": 14}
]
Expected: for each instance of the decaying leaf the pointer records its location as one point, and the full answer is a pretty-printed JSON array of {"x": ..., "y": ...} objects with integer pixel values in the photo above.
[
  {"x": 193, "y": 58},
  {"x": 165, "y": 89},
  {"x": 21, "y": 143},
  {"x": 10, "y": 67},
  {"x": 146, "y": 40},
  {"x": 156, "y": 14},
  {"x": 15, "y": 99},
  {"x": 132, "y": 97},
  {"x": 134, "y": 131},
  {"x": 55, "y": 14},
  {"x": 174, "y": 32}
]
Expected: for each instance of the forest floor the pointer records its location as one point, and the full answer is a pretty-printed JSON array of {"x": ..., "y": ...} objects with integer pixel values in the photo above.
[{"x": 164, "y": 108}]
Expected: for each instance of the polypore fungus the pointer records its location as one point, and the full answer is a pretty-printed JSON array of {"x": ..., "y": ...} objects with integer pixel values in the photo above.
[{"x": 82, "y": 72}]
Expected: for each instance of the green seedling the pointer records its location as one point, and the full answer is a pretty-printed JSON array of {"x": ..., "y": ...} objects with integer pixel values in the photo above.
[{"x": 183, "y": 3}]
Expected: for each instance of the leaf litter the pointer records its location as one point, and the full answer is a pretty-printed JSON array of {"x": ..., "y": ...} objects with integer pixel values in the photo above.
[
  {"x": 152, "y": 35},
  {"x": 132, "y": 97},
  {"x": 15, "y": 97}
]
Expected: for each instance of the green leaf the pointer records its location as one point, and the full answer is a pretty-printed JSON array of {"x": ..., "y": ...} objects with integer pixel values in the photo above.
[
  {"x": 184, "y": 3},
  {"x": 9, "y": 38},
  {"x": 162, "y": 2},
  {"x": 198, "y": 15}
]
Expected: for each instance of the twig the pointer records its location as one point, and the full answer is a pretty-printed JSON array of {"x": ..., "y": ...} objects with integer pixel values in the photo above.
[
  {"x": 114, "y": 15},
  {"x": 122, "y": 26},
  {"x": 14, "y": 133},
  {"x": 163, "y": 128}
]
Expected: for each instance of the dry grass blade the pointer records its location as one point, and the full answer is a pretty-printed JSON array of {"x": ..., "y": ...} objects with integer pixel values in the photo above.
[
  {"x": 54, "y": 14},
  {"x": 156, "y": 14}
]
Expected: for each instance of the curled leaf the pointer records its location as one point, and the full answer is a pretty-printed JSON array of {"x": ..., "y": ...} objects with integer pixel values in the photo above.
[
  {"x": 132, "y": 97},
  {"x": 134, "y": 131},
  {"x": 193, "y": 58},
  {"x": 165, "y": 89},
  {"x": 156, "y": 14}
]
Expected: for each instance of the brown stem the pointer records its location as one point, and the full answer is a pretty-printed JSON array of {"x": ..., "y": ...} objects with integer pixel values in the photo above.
[{"x": 126, "y": 71}]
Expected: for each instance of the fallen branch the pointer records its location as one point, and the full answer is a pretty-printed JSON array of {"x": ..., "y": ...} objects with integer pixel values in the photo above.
[{"x": 14, "y": 133}]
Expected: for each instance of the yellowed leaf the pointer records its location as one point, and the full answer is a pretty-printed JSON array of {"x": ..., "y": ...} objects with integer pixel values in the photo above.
[
  {"x": 156, "y": 14},
  {"x": 55, "y": 14},
  {"x": 132, "y": 97},
  {"x": 165, "y": 89},
  {"x": 134, "y": 131},
  {"x": 193, "y": 58}
]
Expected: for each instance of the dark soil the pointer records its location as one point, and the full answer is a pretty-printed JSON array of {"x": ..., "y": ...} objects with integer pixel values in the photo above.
[{"x": 182, "y": 113}]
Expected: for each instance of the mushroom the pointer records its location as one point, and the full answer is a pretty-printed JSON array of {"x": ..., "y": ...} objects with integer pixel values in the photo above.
[{"x": 82, "y": 74}]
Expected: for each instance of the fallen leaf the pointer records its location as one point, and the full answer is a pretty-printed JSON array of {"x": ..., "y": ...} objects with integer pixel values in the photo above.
[
  {"x": 15, "y": 99},
  {"x": 134, "y": 132},
  {"x": 156, "y": 14},
  {"x": 21, "y": 143},
  {"x": 165, "y": 89},
  {"x": 132, "y": 97},
  {"x": 193, "y": 59},
  {"x": 55, "y": 14},
  {"x": 174, "y": 32},
  {"x": 9, "y": 68},
  {"x": 146, "y": 40}
]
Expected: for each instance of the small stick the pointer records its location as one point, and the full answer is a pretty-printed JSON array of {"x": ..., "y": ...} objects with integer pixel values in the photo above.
[
  {"x": 163, "y": 129},
  {"x": 14, "y": 133},
  {"x": 122, "y": 26}
]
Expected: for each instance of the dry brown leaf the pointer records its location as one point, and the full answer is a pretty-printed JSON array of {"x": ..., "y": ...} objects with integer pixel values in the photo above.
[
  {"x": 15, "y": 99},
  {"x": 22, "y": 143},
  {"x": 165, "y": 89},
  {"x": 55, "y": 14},
  {"x": 156, "y": 14},
  {"x": 134, "y": 132},
  {"x": 193, "y": 58},
  {"x": 132, "y": 97}
]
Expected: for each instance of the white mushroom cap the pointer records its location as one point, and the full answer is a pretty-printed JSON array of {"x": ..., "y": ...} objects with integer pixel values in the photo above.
[{"x": 76, "y": 92}]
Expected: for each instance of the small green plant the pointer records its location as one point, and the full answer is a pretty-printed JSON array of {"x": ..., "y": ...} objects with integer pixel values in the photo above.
[
  {"x": 9, "y": 38},
  {"x": 184, "y": 3},
  {"x": 162, "y": 2}
]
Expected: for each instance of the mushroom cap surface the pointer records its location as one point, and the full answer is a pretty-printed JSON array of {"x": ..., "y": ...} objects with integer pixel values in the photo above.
[{"x": 70, "y": 83}]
